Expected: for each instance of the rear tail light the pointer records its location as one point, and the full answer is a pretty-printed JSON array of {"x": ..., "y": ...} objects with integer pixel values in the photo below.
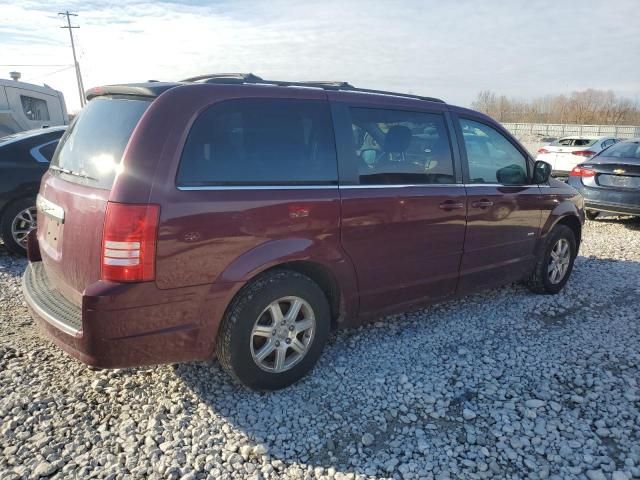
[
  {"x": 584, "y": 153},
  {"x": 582, "y": 172},
  {"x": 543, "y": 150},
  {"x": 129, "y": 242}
]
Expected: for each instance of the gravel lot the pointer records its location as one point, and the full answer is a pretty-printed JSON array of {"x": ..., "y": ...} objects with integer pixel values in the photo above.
[{"x": 502, "y": 384}]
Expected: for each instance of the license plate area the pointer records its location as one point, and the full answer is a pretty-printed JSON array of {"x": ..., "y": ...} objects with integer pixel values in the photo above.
[
  {"x": 51, "y": 223},
  {"x": 619, "y": 181}
]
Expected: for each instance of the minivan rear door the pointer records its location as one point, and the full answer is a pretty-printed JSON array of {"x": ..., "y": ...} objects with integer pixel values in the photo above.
[
  {"x": 403, "y": 206},
  {"x": 75, "y": 191}
]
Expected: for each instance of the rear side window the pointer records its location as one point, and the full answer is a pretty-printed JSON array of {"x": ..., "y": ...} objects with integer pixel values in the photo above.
[
  {"x": 34, "y": 108},
  {"x": 91, "y": 149},
  {"x": 260, "y": 142},
  {"x": 395, "y": 147},
  {"x": 574, "y": 142}
]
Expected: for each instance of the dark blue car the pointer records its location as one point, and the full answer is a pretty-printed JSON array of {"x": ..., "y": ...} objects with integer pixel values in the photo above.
[
  {"x": 610, "y": 181},
  {"x": 24, "y": 157}
]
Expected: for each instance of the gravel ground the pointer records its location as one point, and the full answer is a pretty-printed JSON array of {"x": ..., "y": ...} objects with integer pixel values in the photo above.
[{"x": 503, "y": 384}]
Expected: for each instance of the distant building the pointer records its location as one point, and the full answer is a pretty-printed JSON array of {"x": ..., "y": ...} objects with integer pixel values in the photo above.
[{"x": 24, "y": 106}]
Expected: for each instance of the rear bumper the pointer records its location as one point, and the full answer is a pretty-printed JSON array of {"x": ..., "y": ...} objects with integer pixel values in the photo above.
[
  {"x": 619, "y": 209},
  {"x": 609, "y": 200},
  {"x": 128, "y": 325}
]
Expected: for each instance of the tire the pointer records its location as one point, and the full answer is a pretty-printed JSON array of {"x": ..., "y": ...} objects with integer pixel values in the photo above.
[
  {"x": 6, "y": 223},
  {"x": 540, "y": 281},
  {"x": 591, "y": 214},
  {"x": 238, "y": 348}
]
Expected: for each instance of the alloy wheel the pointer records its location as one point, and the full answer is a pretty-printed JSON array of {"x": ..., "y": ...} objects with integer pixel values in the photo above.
[
  {"x": 282, "y": 334},
  {"x": 22, "y": 224},
  {"x": 559, "y": 261}
]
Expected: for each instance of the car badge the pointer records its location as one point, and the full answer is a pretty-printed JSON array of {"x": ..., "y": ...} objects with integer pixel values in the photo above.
[{"x": 619, "y": 171}]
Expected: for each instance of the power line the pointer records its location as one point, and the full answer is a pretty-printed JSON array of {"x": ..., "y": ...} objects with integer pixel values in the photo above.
[
  {"x": 73, "y": 49},
  {"x": 35, "y": 65},
  {"x": 40, "y": 77}
]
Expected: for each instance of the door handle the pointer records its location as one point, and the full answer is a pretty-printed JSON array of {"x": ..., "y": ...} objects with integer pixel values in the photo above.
[
  {"x": 451, "y": 205},
  {"x": 482, "y": 204}
]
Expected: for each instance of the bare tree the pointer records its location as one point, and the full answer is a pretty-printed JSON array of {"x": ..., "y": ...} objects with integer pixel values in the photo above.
[{"x": 589, "y": 106}]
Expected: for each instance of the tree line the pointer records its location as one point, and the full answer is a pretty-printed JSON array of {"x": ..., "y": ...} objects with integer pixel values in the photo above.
[{"x": 588, "y": 107}]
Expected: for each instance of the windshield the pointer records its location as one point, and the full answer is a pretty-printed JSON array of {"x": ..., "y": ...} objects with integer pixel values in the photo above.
[
  {"x": 91, "y": 149},
  {"x": 626, "y": 150}
]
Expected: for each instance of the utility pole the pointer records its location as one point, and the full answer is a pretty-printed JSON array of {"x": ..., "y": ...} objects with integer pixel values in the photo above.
[{"x": 75, "y": 60}]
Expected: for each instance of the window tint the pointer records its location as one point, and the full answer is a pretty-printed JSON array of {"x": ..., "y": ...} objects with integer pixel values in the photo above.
[
  {"x": 608, "y": 143},
  {"x": 93, "y": 145},
  {"x": 260, "y": 142},
  {"x": 34, "y": 108},
  {"x": 491, "y": 157},
  {"x": 396, "y": 147},
  {"x": 628, "y": 150},
  {"x": 574, "y": 142}
]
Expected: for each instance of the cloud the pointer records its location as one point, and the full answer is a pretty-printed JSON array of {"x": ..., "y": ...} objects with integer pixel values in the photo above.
[{"x": 446, "y": 49}]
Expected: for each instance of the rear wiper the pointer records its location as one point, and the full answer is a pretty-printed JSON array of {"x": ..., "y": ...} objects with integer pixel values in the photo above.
[{"x": 71, "y": 172}]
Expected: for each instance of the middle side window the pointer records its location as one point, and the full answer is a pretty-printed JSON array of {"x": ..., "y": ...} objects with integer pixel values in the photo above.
[{"x": 396, "y": 147}]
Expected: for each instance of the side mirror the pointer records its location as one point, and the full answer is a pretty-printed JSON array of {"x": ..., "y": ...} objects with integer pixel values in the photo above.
[{"x": 541, "y": 172}]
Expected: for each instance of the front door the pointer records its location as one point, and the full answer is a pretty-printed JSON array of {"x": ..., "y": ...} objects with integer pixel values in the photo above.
[
  {"x": 503, "y": 208},
  {"x": 403, "y": 212}
]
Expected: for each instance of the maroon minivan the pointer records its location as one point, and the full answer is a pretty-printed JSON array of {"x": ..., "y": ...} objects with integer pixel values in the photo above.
[{"x": 234, "y": 216}]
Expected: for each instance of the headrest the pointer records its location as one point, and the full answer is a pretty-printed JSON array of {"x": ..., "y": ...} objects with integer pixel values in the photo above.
[{"x": 397, "y": 139}]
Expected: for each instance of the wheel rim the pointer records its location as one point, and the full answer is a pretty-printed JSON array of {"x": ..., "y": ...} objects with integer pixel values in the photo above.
[
  {"x": 282, "y": 334},
  {"x": 22, "y": 224},
  {"x": 559, "y": 261}
]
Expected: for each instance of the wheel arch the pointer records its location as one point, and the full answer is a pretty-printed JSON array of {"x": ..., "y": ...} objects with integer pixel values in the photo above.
[
  {"x": 322, "y": 263},
  {"x": 574, "y": 224},
  {"x": 566, "y": 213}
]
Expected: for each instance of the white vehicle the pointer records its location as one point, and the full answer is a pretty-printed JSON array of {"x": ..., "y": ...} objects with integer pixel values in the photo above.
[
  {"x": 24, "y": 106},
  {"x": 567, "y": 152}
]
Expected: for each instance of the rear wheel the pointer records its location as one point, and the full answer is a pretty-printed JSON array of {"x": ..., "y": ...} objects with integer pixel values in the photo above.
[
  {"x": 553, "y": 268},
  {"x": 274, "y": 331},
  {"x": 591, "y": 214},
  {"x": 17, "y": 221}
]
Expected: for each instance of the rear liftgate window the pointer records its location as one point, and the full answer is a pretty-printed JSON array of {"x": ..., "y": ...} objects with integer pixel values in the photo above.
[
  {"x": 260, "y": 142},
  {"x": 91, "y": 149}
]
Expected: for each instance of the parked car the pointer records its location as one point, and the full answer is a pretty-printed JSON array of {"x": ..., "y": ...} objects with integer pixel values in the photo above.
[
  {"x": 245, "y": 218},
  {"x": 610, "y": 181},
  {"x": 24, "y": 157},
  {"x": 565, "y": 153}
]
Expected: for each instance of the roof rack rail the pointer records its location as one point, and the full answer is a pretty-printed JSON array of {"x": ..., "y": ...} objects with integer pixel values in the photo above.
[
  {"x": 225, "y": 78},
  {"x": 250, "y": 78}
]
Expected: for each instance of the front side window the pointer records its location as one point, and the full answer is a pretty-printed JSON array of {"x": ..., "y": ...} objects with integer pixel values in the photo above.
[
  {"x": 260, "y": 142},
  {"x": 34, "y": 108},
  {"x": 395, "y": 147},
  {"x": 491, "y": 157}
]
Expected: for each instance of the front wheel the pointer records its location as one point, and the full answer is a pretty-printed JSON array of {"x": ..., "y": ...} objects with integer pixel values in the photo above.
[
  {"x": 274, "y": 330},
  {"x": 553, "y": 268}
]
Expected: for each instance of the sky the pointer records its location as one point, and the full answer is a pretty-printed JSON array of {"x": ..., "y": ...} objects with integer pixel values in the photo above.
[{"x": 447, "y": 49}]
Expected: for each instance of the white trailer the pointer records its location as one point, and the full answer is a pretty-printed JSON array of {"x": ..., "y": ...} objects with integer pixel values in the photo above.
[{"x": 24, "y": 106}]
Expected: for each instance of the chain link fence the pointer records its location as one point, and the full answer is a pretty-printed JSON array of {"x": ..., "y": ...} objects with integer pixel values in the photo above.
[{"x": 535, "y": 135}]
